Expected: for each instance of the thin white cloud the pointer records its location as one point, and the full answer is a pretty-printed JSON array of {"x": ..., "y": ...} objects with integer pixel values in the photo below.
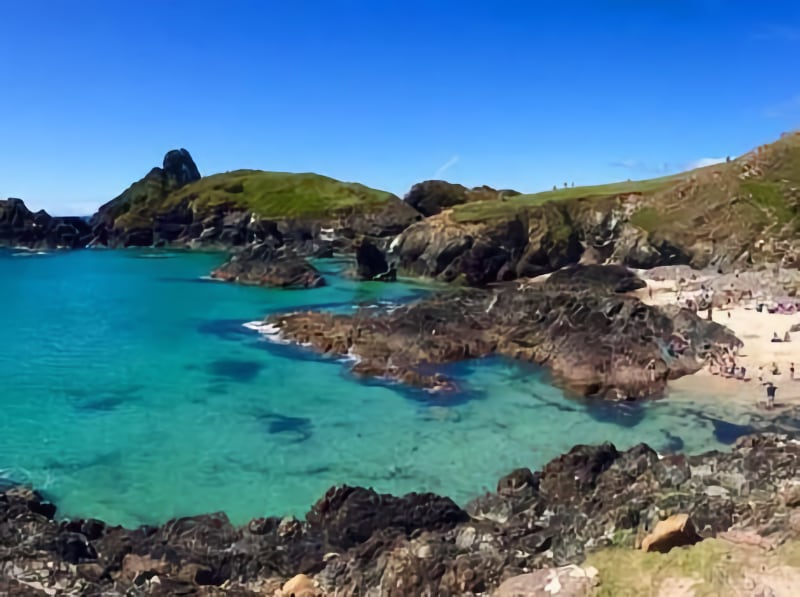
[
  {"x": 446, "y": 166},
  {"x": 642, "y": 167},
  {"x": 703, "y": 162},
  {"x": 785, "y": 108},
  {"x": 777, "y": 33}
]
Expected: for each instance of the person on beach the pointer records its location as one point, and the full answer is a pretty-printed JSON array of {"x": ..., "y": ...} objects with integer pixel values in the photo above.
[
  {"x": 787, "y": 337},
  {"x": 771, "y": 389},
  {"x": 791, "y": 371},
  {"x": 775, "y": 337},
  {"x": 651, "y": 370}
]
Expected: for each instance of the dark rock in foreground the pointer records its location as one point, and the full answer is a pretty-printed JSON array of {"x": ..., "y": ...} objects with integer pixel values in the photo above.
[
  {"x": 265, "y": 265},
  {"x": 355, "y": 541},
  {"x": 595, "y": 341},
  {"x": 20, "y": 227}
]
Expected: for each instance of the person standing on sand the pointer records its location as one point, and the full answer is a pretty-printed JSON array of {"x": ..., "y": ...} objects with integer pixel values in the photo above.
[
  {"x": 651, "y": 369},
  {"x": 791, "y": 371},
  {"x": 771, "y": 389}
]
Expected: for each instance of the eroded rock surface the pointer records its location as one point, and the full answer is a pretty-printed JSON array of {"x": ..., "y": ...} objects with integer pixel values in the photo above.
[
  {"x": 355, "y": 541},
  {"x": 594, "y": 340}
]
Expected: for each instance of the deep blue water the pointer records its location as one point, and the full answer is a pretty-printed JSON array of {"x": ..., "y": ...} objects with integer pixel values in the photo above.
[{"x": 132, "y": 392}]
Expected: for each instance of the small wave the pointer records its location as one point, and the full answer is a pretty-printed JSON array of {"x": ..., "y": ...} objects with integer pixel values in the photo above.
[
  {"x": 269, "y": 331},
  {"x": 29, "y": 253},
  {"x": 351, "y": 357}
]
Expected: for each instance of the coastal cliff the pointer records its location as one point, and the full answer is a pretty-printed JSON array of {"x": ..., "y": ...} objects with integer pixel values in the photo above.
[{"x": 739, "y": 214}]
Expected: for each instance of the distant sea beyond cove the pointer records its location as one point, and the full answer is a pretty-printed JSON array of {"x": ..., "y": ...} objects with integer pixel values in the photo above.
[{"x": 133, "y": 392}]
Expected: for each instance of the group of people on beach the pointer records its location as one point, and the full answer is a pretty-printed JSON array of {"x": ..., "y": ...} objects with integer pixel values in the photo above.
[{"x": 725, "y": 366}]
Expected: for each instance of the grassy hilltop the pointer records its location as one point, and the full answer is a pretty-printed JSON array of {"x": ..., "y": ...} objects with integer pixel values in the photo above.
[
  {"x": 272, "y": 195},
  {"x": 760, "y": 189}
]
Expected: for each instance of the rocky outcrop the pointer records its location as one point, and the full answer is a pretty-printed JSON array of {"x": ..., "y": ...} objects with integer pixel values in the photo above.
[
  {"x": 355, "y": 541},
  {"x": 20, "y": 227},
  {"x": 136, "y": 217},
  {"x": 433, "y": 196},
  {"x": 519, "y": 244},
  {"x": 595, "y": 341},
  {"x": 266, "y": 265}
]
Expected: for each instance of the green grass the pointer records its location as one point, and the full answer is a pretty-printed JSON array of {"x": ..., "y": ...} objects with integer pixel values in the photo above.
[
  {"x": 489, "y": 210},
  {"x": 279, "y": 194},
  {"x": 604, "y": 190},
  {"x": 268, "y": 194},
  {"x": 769, "y": 196},
  {"x": 647, "y": 218}
]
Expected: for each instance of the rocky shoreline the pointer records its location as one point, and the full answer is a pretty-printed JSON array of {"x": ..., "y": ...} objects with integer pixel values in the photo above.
[
  {"x": 355, "y": 541},
  {"x": 580, "y": 324}
]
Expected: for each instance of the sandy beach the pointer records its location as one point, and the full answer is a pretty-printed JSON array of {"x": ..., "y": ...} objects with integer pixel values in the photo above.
[{"x": 760, "y": 355}]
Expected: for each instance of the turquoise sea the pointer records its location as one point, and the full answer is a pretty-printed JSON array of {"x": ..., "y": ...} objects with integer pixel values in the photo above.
[{"x": 132, "y": 392}]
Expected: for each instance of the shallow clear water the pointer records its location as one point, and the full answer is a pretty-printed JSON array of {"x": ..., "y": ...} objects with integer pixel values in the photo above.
[{"x": 131, "y": 392}]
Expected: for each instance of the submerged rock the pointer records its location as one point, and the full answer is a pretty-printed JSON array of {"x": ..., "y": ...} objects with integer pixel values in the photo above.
[{"x": 354, "y": 541}]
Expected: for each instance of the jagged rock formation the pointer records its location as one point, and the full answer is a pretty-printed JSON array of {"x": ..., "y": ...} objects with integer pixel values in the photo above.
[
  {"x": 738, "y": 214},
  {"x": 135, "y": 217},
  {"x": 595, "y": 341},
  {"x": 433, "y": 196},
  {"x": 355, "y": 541},
  {"x": 20, "y": 227}
]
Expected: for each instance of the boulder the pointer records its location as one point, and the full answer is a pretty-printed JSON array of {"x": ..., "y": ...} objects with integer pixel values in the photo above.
[
  {"x": 676, "y": 531},
  {"x": 299, "y": 586},
  {"x": 433, "y": 196},
  {"x": 264, "y": 265}
]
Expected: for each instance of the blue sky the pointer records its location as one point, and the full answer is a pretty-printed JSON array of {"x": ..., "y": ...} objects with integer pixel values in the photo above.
[{"x": 513, "y": 94}]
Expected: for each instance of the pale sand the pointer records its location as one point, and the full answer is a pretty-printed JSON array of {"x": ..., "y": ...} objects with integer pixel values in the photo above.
[{"x": 755, "y": 330}]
